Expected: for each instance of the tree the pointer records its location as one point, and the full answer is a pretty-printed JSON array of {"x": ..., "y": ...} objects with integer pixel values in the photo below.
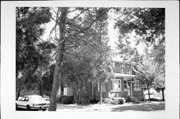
[
  {"x": 73, "y": 32},
  {"x": 147, "y": 71},
  {"x": 28, "y": 32},
  {"x": 59, "y": 58},
  {"x": 158, "y": 55},
  {"x": 148, "y": 25}
]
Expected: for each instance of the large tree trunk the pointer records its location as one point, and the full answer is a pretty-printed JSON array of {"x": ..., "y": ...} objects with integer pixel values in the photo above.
[
  {"x": 20, "y": 82},
  {"x": 59, "y": 59},
  {"x": 18, "y": 91}
]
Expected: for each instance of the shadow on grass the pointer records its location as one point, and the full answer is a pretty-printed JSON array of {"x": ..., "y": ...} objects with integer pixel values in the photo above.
[{"x": 141, "y": 107}]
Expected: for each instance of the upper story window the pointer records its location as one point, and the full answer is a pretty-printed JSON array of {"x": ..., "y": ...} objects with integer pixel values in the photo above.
[
  {"x": 122, "y": 68},
  {"x": 119, "y": 83}
]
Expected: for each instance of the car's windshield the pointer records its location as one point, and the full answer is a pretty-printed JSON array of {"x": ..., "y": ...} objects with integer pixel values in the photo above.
[{"x": 24, "y": 99}]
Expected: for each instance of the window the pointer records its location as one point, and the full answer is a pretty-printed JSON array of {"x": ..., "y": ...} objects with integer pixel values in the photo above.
[
  {"x": 24, "y": 99},
  {"x": 119, "y": 83},
  {"x": 136, "y": 86},
  {"x": 129, "y": 84}
]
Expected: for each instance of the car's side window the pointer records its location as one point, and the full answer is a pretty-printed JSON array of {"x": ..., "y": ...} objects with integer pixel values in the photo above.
[
  {"x": 26, "y": 99},
  {"x": 22, "y": 99}
]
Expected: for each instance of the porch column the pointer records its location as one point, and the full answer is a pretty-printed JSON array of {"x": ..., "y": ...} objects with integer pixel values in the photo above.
[{"x": 131, "y": 89}]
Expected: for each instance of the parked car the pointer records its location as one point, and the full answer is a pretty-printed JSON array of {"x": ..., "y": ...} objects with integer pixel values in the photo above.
[
  {"x": 32, "y": 102},
  {"x": 47, "y": 100}
]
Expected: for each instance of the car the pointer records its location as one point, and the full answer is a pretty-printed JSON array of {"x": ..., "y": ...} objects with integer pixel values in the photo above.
[
  {"x": 32, "y": 102},
  {"x": 47, "y": 100}
]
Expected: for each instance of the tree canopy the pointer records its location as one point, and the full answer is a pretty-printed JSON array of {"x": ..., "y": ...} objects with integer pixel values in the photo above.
[{"x": 31, "y": 51}]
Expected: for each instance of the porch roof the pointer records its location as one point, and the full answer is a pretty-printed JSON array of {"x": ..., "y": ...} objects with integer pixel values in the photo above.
[{"x": 124, "y": 75}]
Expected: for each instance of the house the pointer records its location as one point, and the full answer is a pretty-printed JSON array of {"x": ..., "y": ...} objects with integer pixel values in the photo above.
[{"x": 122, "y": 84}]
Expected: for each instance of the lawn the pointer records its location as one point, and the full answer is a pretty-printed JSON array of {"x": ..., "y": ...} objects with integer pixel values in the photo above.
[{"x": 144, "y": 107}]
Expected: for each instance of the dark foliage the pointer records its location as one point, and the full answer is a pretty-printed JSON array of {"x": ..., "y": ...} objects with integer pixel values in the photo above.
[
  {"x": 132, "y": 99},
  {"x": 66, "y": 99}
]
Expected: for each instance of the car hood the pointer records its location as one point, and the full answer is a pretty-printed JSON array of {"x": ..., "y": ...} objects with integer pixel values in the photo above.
[{"x": 39, "y": 102}]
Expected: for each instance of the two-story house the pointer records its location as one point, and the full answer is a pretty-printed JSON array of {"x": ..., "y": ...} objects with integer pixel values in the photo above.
[{"x": 122, "y": 84}]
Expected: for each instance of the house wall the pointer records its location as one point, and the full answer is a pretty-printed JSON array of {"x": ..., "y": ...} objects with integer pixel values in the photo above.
[
  {"x": 124, "y": 92},
  {"x": 123, "y": 68},
  {"x": 68, "y": 91}
]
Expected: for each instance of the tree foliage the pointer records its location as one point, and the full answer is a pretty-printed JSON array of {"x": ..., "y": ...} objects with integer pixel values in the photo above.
[
  {"x": 148, "y": 23},
  {"x": 77, "y": 30},
  {"x": 30, "y": 49}
]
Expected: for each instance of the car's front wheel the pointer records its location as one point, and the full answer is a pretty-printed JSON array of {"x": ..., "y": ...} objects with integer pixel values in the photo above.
[
  {"x": 44, "y": 109},
  {"x": 28, "y": 107}
]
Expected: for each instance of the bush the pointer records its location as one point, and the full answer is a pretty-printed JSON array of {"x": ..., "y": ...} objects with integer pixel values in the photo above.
[
  {"x": 119, "y": 100},
  {"x": 94, "y": 101},
  {"x": 108, "y": 100},
  {"x": 66, "y": 99},
  {"x": 132, "y": 99},
  {"x": 84, "y": 101},
  {"x": 114, "y": 100},
  {"x": 142, "y": 99}
]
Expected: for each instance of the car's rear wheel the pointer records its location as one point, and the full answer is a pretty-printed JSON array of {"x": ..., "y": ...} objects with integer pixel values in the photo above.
[
  {"x": 44, "y": 109},
  {"x": 28, "y": 107}
]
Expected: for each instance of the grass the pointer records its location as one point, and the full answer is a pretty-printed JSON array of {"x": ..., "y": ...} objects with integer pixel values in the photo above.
[{"x": 143, "y": 107}]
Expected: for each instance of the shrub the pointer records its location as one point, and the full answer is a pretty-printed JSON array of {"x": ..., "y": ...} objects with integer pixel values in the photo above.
[
  {"x": 118, "y": 100},
  {"x": 84, "y": 101},
  {"x": 66, "y": 99},
  {"x": 142, "y": 99},
  {"x": 94, "y": 101},
  {"x": 132, "y": 99},
  {"x": 114, "y": 100}
]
